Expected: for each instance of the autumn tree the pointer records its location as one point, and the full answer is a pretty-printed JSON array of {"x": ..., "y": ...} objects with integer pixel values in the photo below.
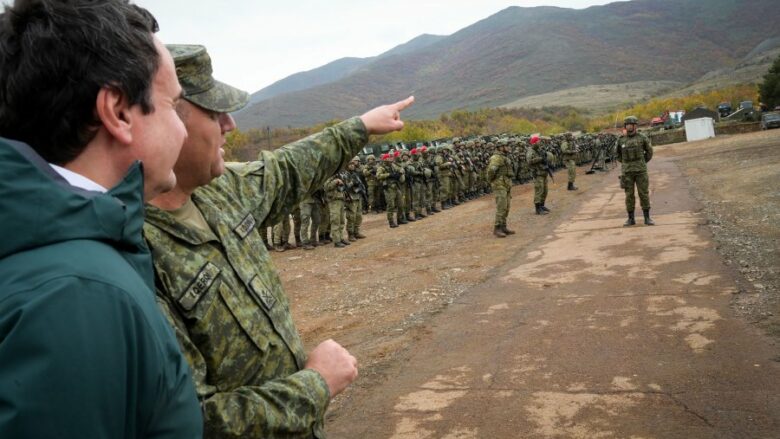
[{"x": 769, "y": 90}]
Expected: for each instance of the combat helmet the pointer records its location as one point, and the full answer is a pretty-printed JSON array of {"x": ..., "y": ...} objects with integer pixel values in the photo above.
[{"x": 630, "y": 120}]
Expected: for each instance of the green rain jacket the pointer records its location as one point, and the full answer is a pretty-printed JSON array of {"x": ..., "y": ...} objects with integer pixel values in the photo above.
[{"x": 84, "y": 349}]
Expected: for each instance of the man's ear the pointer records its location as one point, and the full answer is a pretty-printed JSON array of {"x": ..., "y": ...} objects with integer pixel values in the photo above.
[{"x": 114, "y": 113}]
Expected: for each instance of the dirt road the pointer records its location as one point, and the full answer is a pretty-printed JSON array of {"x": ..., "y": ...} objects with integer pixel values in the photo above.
[{"x": 576, "y": 327}]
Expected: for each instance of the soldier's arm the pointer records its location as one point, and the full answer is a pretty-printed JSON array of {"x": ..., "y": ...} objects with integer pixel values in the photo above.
[
  {"x": 288, "y": 406},
  {"x": 648, "y": 146},
  {"x": 284, "y": 177},
  {"x": 533, "y": 158},
  {"x": 619, "y": 152}
]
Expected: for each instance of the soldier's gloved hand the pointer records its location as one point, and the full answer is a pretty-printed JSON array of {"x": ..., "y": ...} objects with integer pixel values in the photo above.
[
  {"x": 336, "y": 365},
  {"x": 387, "y": 118}
]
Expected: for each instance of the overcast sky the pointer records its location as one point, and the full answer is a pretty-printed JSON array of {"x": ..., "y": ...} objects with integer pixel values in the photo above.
[{"x": 254, "y": 43}]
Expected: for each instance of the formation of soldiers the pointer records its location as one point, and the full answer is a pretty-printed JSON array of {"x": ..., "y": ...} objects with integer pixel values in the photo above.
[{"x": 410, "y": 182}]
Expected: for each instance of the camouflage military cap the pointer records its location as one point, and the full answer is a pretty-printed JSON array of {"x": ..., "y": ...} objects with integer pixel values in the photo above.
[
  {"x": 193, "y": 68},
  {"x": 630, "y": 120},
  {"x": 502, "y": 142},
  {"x": 371, "y": 158},
  {"x": 355, "y": 159}
]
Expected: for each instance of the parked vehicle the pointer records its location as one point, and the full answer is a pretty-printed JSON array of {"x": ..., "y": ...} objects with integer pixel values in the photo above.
[
  {"x": 724, "y": 109},
  {"x": 770, "y": 120}
]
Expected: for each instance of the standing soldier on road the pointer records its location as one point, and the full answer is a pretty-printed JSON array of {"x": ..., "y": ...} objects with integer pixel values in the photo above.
[
  {"x": 498, "y": 175},
  {"x": 634, "y": 151},
  {"x": 569, "y": 150},
  {"x": 369, "y": 173},
  {"x": 354, "y": 201},
  {"x": 216, "y": 282},
  {"x": 444, "y": 164},
  {"x": 537, "y": 160},
  {"x": 335, "y": 193},
  {"x": 391, "y": 176}
]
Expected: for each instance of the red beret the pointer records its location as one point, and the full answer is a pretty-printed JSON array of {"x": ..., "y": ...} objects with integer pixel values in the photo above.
[
  {"x": 397, "y": 153},
  {"x": 414, "y": 150},
  {"x": 534, "y": 139},
  {"x": 385, "y": 156}
]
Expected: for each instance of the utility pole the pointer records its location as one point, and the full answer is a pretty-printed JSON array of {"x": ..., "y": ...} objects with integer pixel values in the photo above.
[{"x": 268, "y": 134}]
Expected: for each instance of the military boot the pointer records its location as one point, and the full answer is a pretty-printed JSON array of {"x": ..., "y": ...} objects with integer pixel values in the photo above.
[
  {"x": 420, "y": 215},
  {"x": 507, "y": 231},
  {"x": 339, "y": 244},
  {"x": 540, "y": 210},
  {"x": 351, "y": 238},
  {"x": 544, "y": 208},
  {"x": 571, "y": 187},
  {"x": 648, "y": 220},
  {"x": 498, "y": 232},
  {"x": 345, "y": 242},
  {"x": 445, "y": 205},
  {"x": 393, "y": 224},
  {"x": 359, "y": 235},
  {"x": 630, "y": 221},
  {"x": 402, "y": 220}
]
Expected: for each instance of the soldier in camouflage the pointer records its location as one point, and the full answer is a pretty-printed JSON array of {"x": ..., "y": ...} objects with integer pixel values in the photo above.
[
  {"x": 369, "y": 173},
  {"x": 391, "y": 176},
  {"x": 216, "y": 282},
  {"x": 633, "y": 152},
  {"x": 354, "y": 200},
  {"x": 498, "y": 175},
  {"x": 569, "y": 150},
  {"x": 537, "y": 160},
  {"x": 334, "y": 192}
]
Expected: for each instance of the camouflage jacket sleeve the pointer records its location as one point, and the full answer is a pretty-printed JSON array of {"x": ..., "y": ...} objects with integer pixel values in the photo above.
[
  {"x": 253, "y": 411},
  {"x": 648, "y": 147},
  {"x": 280, "y": 179},
  {"x": 533, "y": 157}
]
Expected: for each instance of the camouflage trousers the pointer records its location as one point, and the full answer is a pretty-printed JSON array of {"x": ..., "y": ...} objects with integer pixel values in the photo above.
[
  {"x": 540, "y": 189},
  {"x": 571, "y": 166},
  {"x": 417, "y": 197},
  {"x": 642, "y": 183},
  {"x": 336, "y": 207},
  {"x": 281, "y": 231},
  {"x": 408, "y": 199},
  {"x": 324, "y": 218},
  {"x": 354, "y": 210},
  {"x": 310, "y": 222},
  {"x": 444, "y": 188},
  {"x": 391, "y": 199},
  {"x": 503, "y": 199},
  {"x": 428, "y": 199},
  {"x": 372, "y": 195}
]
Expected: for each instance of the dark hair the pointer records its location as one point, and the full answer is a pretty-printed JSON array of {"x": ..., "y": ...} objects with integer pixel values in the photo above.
[{"x": 56, "y": 55}]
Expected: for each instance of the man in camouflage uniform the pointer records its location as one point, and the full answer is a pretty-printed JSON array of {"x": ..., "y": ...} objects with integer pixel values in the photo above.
[
  {"x": 369, "y": 173},
  {"x": 498, "y": 175},
  {"x": 633, "y": 152},
  {"x": 444, "y": 166},
  {"x": 334, "y": 192},
  {"x": 354, "y": 200},
  {"x": 391, "y": 176},
  {"x": 215, "y": 281},
  {"x": 537, "y": 160},
  {"x": 429, "y": 177},
  {"x": 408, "y": 188},
  {"x": 569, "y": 150}
]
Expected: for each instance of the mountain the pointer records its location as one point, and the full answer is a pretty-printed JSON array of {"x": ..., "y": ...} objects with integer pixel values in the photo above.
[
  {"x": 523, "y": 52},
  {"x": 336, "y": 70}
]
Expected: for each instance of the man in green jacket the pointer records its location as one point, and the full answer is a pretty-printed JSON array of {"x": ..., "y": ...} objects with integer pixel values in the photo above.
[
  {"x": 84, "y": 349},
  {"x": 217, "y": 282}
]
